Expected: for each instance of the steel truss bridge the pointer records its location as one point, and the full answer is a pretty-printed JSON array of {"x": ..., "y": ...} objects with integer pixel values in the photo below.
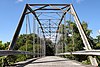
[{"x": 46, "y": 20}]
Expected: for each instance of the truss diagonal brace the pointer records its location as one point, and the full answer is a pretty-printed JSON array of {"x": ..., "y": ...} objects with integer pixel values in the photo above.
[
  {"x": 29, "y": 8},
  {"x": 62, "y": 19},
  {"x": 18, "y": 29},
  {"x": 37, "y": 9},
  {"x": 83, "y": 35}
]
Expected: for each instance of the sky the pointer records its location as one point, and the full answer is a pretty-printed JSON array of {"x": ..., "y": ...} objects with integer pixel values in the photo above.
[{"x": 10, "y": 11}]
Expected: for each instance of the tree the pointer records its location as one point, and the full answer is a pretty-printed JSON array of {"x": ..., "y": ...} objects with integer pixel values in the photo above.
[
  {"x": 98, "y": 38},
  {"x": 2, "y": 46},
  {"x": 97, "y": 46},
  {"x": 73, "y": 39},
  {"x": 25, "y": 43},
  {"x": 49, "y": 48},
  {"x": 97, "y": 42},
  {"x": 22, "y": 41}
]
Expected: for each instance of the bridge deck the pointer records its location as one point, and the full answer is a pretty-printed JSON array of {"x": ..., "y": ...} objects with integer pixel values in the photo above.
[{"x": 54, "y": 61}]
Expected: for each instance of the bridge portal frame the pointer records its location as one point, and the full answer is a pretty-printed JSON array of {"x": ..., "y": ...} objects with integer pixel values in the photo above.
[{"x": 43, "y": 7}]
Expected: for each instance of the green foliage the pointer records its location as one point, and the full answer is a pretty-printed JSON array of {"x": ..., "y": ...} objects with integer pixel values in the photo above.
[
  {"x": 74, "y": 42},
  {"x": 21, "y": 58},
  {"x": 97, "y": 46},
  {"x": 86, "y": 62},
  {"x": 98, "y": 39},
  {"x": 25, "y": 42},
  {"x": 2, "y": 46},
  {"x": 11, "y": 59},
  {"x": 6, "y": 45},
  {"x": 49, "y": 48}
]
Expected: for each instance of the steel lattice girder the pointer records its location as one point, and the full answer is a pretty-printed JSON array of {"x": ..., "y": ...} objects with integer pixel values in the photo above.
[{"x": 28, "y": 7}]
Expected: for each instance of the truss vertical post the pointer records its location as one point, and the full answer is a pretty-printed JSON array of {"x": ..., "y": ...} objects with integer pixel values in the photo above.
[
  {"x": 44, "y": 47},
  {"x": 40, "y": 44},
  {"x": 83, "y": 35},
  {"x": 50, "y": 28},
  {"x": 56, "y": 48},
  {"x": 26, "y": 32},
  {"x": 56, "y": 45},
  {"x": 38, "y": 41},
  {"x": 64, "y": 32},
  {"x": 33, "y": 37}
]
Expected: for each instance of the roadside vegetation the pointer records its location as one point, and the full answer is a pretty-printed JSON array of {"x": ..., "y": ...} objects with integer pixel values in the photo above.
[{"x": 73, "y": 43}]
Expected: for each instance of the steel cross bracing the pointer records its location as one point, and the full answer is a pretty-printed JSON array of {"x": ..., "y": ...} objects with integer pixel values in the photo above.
[
  {"x": 49, "y": 17},
  {"x": 33, "y": 11}
]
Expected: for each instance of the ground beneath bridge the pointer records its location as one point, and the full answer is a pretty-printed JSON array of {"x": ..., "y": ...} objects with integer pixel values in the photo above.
[{"x": 54, "y": 61}]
